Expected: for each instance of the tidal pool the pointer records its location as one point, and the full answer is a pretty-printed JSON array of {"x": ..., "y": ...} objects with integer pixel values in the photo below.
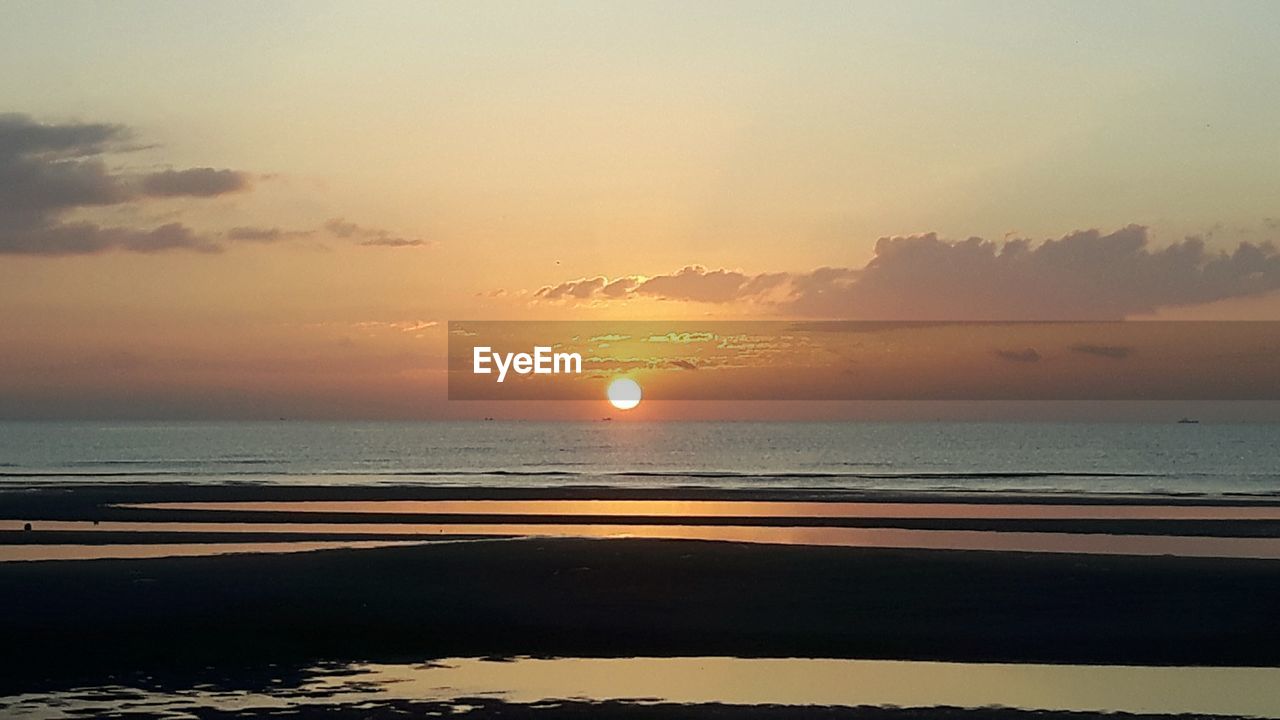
[{"x": 1244, "y": 692}]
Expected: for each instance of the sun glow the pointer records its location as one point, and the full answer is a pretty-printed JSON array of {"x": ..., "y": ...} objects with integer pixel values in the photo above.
[{"x": 624, "y": 393}]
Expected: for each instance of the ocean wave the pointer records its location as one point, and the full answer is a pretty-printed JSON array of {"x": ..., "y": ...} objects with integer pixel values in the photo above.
[{"x": 166, "y": 463}]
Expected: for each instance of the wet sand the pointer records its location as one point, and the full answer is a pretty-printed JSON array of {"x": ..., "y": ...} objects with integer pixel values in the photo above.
[
  {"x": 1003, "y": 540},
  {"x": 39, "y": 552},
  {"x": 1203, "y": 516},
  {"x": 64, "y": 500},
  {"x": 112, "y": 518},
  {"x": 592, "y": 598},
  {"x": 83, "y": 622},
  {"x": 697, "y": 683},
  {"x": 489, "y": 708},
  {"x": 738, "y": 509}
]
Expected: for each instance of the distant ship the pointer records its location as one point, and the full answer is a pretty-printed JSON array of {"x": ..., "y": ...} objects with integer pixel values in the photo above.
[{"x": 1188, "y": 421}]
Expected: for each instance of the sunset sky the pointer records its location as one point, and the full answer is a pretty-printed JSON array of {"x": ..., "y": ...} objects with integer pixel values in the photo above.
[{"x": 275, "y": 209}]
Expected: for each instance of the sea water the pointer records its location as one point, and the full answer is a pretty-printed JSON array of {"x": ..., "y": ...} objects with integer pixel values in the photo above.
[{"x": 1003, "y": 457}]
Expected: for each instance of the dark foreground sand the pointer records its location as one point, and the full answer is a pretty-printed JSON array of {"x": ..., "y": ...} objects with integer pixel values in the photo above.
[
  {"x": 490, "y": 709},
  {"x": 65, "y": 623},
  {"x": 258, "y": 622}
]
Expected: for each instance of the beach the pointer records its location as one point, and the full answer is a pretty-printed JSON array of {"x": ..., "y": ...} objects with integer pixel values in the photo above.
[
  {"x": 713, "y": 361},
  {"x": 244, "y": 617},
  {"x": 607, "y": 570}
]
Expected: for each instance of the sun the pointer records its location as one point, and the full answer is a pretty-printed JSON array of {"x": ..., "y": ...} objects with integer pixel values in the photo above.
[{"x": 624, "y": 393}]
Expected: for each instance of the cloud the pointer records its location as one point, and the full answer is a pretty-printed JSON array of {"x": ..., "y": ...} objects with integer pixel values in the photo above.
[
  {"x": 692, "y": 283},
  {"x": 264, "y": 235},
  {"x": 1028, "y": 355},
  {"x": 417, "y": 325},
  {"x": 369, "y": 236},
  {"x": 1115, "y": 352},
  {"x": 695, "y": 283},
  {"x": 682, "y": 338},
  {"x": 196, "y": 182},
  {"x": 50, "y": 170},
  {"x": 581, "y": 289},
  {"x": 618, "y": 288},
  {"x": 46, "y": 169},
  {"x": 404, "y": 326},
  {"x": 394, "y": 242},
  {"x": 20, "y": 135},
  {"x": 1085, "y": 275},
  {"x": 337, "y": 227},
  {"x": 341, "y": 228},
  {"x": 88, "y": 238}
]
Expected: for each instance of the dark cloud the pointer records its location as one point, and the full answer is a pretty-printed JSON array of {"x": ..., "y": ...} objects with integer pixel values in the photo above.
[
  {"x": 265, "y": 235},
  {"x": 196, "y": 182},
  {"x": 370, "y": 237},
  {"x": 46, "y": 169},
  {"x": 697, "y": 284},
  {"x": 341, "y": 228},
  {"x": 50, "y": 170},
  {"x": 336, "y": 227},
  {"x": 683, "y": 365},
  {"x": 21, "y": 136},
  {"x": 88, "y": 238},
  {"x": 1115, "y": 352},
  {"x": 763, "y": 283},
  {"x": 1086, "y": 275},
  {"x": 394, "y": 242},
  {"x": 256, "y": 234},
  {"x": 1028, "y": 355}
]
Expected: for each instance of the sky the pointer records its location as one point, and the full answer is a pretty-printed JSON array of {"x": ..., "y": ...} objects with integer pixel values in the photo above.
[{"x": 274, "y": 209}]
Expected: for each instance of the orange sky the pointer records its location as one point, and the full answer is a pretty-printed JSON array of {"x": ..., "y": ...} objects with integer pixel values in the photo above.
[{"x": 275, "y": 211}]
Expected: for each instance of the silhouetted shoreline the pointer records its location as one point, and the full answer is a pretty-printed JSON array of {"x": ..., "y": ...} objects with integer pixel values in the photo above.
[
  {"x": 240, "y": 620},
  {"x": 485, "y": 708},
  {"x": 78, "y": 622}
]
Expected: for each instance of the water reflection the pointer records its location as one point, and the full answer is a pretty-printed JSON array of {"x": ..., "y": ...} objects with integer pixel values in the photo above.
[
  {"x": 1099, "y": 544},
  {"x": 748, "y": 508},
  {"x": 790, "y": 682}
]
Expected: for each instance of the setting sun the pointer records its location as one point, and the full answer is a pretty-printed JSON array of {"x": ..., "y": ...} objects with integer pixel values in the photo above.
[
  {"x": 624, "y": 393},
  {"x": 960, "y": 324}
]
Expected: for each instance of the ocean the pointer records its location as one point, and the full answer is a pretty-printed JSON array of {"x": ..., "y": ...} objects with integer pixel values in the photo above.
[{"x": 1103, "y": 458}]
